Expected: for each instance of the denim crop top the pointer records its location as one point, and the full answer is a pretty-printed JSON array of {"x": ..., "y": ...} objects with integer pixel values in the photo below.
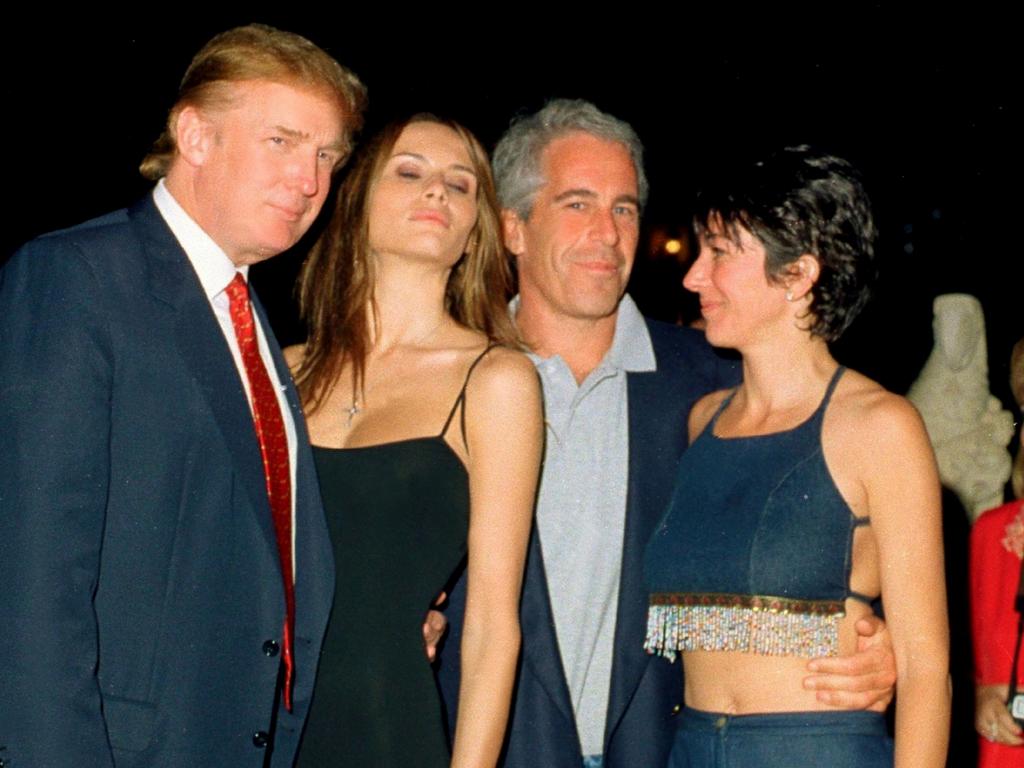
[{"x": 754, "y": 552}]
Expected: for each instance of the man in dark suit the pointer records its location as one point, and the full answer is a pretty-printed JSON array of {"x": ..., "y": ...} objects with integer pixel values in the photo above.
[
  {"x": 617, "y": 391},
  {"x": 166, "y": 571}
]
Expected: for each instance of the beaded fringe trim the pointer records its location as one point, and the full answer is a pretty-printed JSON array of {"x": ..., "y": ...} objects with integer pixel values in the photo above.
[{"x": 769, "y": 626}]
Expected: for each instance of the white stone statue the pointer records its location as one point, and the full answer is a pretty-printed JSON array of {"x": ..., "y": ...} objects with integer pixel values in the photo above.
[{"x": 967, "y": 426}]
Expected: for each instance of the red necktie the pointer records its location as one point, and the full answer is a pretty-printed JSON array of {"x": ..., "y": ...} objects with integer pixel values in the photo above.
[{"x": 274, "y": 449}]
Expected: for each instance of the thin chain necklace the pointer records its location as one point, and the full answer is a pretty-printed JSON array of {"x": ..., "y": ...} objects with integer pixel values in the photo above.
[{"x": 355, "y": 408}]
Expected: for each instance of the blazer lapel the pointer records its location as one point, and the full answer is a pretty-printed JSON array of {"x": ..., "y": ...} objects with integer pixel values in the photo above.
[
  {"x": 314, "y": 559},
  {"x": 656, "y": 440},
  {"x": 541, "y": 655},
  {"x": 202, "y": 346}
]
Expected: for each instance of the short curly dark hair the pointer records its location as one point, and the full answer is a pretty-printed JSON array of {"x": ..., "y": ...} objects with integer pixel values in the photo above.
[{"x": 802, "y": 201}]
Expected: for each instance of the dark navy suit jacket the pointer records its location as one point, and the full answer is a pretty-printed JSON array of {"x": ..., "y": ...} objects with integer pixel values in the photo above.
[
  {"x": 644, "y": 689},
  {"x": 141, "y": 595}
]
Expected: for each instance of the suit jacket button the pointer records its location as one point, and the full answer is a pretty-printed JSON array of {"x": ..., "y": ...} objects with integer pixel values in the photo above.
[
  {"x": 260, "y": 739},
  {"x": 271, "y": 648}
]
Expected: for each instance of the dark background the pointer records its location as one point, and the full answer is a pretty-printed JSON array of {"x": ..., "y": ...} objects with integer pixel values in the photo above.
[{"x": 924, "y": 102}]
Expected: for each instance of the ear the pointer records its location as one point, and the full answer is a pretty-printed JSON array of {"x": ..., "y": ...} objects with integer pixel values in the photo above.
[
  {"x": 803, "y": 274},
  {"x": 512, "y": 228},
  {"x": 194, "y": 135}
]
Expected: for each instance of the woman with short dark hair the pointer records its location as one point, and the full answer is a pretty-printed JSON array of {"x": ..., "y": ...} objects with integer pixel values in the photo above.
[{"x": 807, "y": 492}]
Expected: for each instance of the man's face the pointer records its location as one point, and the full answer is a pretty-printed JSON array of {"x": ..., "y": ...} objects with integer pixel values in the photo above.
[
  {"x": 576, "y": 249},
  {"x": 264, "y": 167}
]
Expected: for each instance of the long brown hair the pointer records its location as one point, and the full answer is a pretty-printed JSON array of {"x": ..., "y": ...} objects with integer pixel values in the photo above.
[{"x": 336, "y": 283}]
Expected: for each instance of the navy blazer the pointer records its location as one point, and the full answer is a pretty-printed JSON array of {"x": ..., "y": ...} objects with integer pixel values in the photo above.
[
  {"x": 141, "y": 597},
  {"x": 644, "y": 689}
]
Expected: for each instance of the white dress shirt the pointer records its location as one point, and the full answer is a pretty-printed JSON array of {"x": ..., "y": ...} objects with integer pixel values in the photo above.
[{"x": 215, "y": 271}]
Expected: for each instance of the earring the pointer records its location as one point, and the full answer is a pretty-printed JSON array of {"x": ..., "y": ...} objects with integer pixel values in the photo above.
[{"x": 789, "y": 294}]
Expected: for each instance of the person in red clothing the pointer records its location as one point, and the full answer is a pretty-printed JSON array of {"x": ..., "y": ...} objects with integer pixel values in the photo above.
[{"x": 997, "y": 547}]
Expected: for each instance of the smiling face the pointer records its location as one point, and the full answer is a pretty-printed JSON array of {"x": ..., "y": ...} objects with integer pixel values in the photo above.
[
  {"x": 739, "y": 303},
  {"x": 424, "y": 201},
  {"x": 261, "y": 167},
  {"x": 576, "y": 249}
]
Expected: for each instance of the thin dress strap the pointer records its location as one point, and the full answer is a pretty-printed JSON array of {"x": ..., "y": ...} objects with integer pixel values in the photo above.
[
  {"x": 462, "y": 397},
  {"x": 818, "y": 416},
  {"x": 718, "y": 411},
  {"x": 832, "y": 385}
]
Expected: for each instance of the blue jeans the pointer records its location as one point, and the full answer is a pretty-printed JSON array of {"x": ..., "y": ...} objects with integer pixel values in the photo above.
[{"x": 781, "y": 740}]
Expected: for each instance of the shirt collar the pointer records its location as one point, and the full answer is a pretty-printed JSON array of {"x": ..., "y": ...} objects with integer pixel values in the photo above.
[
  {"x": 213, "y": 267},
  {"x": 631, "y": 348}
]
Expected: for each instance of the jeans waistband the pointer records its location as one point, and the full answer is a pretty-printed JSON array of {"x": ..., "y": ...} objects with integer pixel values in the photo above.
[{"x": 850, "y": 722}]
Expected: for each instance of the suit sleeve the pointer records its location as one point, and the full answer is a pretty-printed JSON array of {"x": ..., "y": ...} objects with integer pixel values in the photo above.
[{"x": 56, "y": 374}]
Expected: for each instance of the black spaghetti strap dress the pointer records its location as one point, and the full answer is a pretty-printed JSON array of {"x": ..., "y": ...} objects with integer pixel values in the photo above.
[{"x": 398, "y": 516}]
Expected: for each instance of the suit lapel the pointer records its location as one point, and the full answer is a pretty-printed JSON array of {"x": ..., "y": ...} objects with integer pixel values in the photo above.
[
  {"x": 628, "y": 663},
  {"x": 541, "y": 655},
  {"x": 657, "y": 427},
  {"x": 202, "y": 346},
  {"x": 314, "y": 559}
]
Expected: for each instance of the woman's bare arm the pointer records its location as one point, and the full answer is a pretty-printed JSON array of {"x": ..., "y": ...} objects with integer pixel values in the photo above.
[
  {"x": 504, "y": 432},
  {"x": 896, "y": 467}
]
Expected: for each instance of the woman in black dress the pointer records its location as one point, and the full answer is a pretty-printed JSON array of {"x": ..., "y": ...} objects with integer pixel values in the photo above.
[{"x": 427, "y": 432}]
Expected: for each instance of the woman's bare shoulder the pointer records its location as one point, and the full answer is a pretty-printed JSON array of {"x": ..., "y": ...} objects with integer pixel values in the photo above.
[
  {"x": 503, "y": 371},
  {"x": 866, "y": 414},
  {"x": 704, "y": 409},
  {"x": 863, "y": 401},
  {"x": 504, "y": 410}
]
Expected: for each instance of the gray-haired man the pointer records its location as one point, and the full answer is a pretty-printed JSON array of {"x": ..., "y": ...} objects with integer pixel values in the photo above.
[{"x": 617, "y": 391}]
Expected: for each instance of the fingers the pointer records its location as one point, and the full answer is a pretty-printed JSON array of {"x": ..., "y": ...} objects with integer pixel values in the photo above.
[
  {"x": 434, "y": 626},
  {"x": 1002, "y": 729},
  {"x": 870, "y": 628},
  {"x": 873, "y": 699},
  {"x": 871, "y": 668},
  {"x": 864, "y": 680},
  {"x": 993, "y": 720},
  {"x": 861, "y": 681}
]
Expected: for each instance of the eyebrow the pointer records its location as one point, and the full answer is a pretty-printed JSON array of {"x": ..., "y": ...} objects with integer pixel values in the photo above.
[
  {"x": 455, "y": 167},
  {"x": 292, "y": 133},
  {"x": 591, "y": 194}
]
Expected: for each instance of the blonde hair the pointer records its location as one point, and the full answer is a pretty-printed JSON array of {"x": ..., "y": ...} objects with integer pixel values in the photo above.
[
  {"x": 256, "y": 52},
  {"x": 336, "y": 283}
]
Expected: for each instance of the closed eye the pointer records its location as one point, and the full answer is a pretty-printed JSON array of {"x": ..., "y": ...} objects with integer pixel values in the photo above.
[{"x": 458, "y": 185}]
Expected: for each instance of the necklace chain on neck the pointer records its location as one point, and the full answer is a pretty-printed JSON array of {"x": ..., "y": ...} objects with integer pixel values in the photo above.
[{"x": 355, "y": 409}]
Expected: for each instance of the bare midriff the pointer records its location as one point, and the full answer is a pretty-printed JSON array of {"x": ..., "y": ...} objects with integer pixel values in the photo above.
[{"x": 742, "y": 683}]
